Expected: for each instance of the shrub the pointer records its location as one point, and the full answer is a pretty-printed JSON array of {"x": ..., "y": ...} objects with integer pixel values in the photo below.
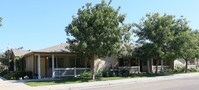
[
  {"x": 168, "y": 71},
  {"x": 125, "y": 73},
  {"x": 22, "y": 74},
  {"x": 17, "y": 75},
  {"x": 8, "y": 76},
  {"x": 107, "y": 73},
  {"x": 99, "y": 74},
  {"x": 193, "y": 70},
  {"x": 3, "y": 73},
  {"x": 179, "y": 69},
  {"x": 86, "y": 74},
  {"x": 29, "y": 74}
]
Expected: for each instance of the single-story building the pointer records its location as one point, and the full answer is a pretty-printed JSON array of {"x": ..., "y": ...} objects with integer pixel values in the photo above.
[{"x": 57, "y": 61}]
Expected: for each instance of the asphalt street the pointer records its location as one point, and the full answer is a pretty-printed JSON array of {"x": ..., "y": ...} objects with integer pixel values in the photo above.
[{"x": 191, "y": 83}]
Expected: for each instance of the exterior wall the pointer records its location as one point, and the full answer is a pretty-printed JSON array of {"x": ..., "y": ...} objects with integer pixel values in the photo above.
[
  {"x": 105, "y": 62},
  {"x": 181, "y": 63},
  {"x": 29, "y": 63},
  {"x": 66, "y": 61}
]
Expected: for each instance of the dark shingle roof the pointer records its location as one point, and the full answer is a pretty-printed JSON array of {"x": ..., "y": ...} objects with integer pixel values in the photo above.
[
  {"x": 19, "y": 52},
  {"x": 58, "y": 48}
]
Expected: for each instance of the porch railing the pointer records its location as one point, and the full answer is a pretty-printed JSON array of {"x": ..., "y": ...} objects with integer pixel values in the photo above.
[
  {"x": 165, "y": 67},
  {"x": 59, "y": 72},
  {"x": 132, "y": 69},
  {"x": 191, "y": 66}
]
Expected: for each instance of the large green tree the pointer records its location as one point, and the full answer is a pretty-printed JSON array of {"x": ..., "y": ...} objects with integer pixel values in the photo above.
[
  {"x": 186, "y": 45},
  {"x": 98, "y": 30},
  {"x": 6, "y": 60},
  {"x": 156, "y": 32}
]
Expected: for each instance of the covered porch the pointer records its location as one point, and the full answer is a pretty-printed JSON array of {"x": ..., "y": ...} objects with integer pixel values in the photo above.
[
  {"x": 58, "y": 65},
  {"x": 132, "y": 65},
  {"x": 150, "y": 65}
]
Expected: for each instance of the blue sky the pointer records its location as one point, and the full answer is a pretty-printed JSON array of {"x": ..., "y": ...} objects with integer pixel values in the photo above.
[{"x": 37, "y": 24}]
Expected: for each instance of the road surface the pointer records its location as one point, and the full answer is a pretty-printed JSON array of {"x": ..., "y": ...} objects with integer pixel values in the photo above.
[{"x": 191, "y": 83}]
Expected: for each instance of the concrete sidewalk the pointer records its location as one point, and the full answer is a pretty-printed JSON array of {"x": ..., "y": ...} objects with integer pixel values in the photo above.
[
  {"x": 115, "y": 82},
  {"x": 7, "y": 85}
]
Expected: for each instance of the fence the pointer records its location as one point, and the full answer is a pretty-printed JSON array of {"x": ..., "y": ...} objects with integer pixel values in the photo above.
[{"x": 59, "y": 72}]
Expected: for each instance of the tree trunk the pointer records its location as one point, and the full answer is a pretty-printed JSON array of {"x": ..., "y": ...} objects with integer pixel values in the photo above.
[
  {"x": 93, "y": 57},
  {"x": 156, "y": 69},
  {"x": 186, "y": 65}
]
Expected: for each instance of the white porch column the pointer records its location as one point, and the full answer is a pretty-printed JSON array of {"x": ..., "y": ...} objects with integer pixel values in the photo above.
[
  {"x": 139, "y": 66},
  {"x": 53, "y": 66},
  {"x": 162, "y": 68},
  {"x": 75, "y": 72},
  {"x": 151, "y": 65},
  {"x": 39, "y": 68},
  {"x": 148, "y": 66}
]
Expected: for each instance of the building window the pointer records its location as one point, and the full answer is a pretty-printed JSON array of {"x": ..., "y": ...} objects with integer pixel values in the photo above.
[
  {"x": 60, "y": 62},
  {"x": 123, "y": 62},
  {"x": 128, "y": 62},
  {"x": 155, "y": 61},
  {"x": 133, "y": 62},
  {"x": 50, "y": 62},
  {"x": 79, "y": 63}
]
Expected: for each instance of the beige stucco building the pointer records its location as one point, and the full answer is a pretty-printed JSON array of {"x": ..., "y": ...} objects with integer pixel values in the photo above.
[{"x": 58, "y": 61}]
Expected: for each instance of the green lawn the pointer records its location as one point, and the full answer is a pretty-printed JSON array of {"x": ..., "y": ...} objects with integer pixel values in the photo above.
[
  {"x": 73, "y": 80},
  {"x": 69, "y": 81}
]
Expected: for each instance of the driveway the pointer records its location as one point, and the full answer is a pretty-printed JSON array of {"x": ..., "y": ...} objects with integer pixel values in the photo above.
[{"x": 13, "y": 85}]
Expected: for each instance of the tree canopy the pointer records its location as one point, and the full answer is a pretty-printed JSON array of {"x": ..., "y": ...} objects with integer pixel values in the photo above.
[
  {"x": 156, "y": 31},
  {"x": 186, "y": 46},
  {"x": 99, "y": 30},
  {"x": 160, "y": 35}
]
